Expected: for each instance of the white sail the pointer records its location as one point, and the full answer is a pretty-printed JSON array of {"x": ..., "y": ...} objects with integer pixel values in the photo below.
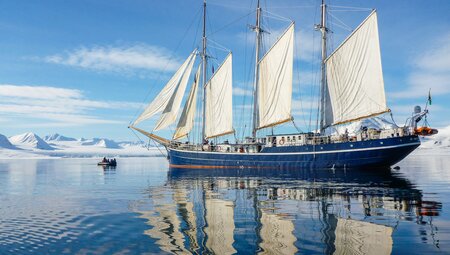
[
  {"x": 275, "y": 82},
  {"x": 170, "y": 112},
  {"x": 354, "y": 76},
  {"x": 161, "y": 100},
  {"x": 218, "y": 101},
  {"x": 186, "y": 121}
]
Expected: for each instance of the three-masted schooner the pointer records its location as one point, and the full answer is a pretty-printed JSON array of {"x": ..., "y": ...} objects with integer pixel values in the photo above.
[{"x": 352, "y": 89}]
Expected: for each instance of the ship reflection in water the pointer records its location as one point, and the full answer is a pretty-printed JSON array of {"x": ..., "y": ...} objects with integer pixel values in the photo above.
[{"x": 226, "y": 211}]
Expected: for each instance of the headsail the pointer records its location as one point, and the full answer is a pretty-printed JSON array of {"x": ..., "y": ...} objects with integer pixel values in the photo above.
[
  {"x": 170, "y": 112},
  {"x": 162, "y": 99},
  {"x": 275, "y": 82},
  {"x": 354, "y": 76},
  {"x": 186, "y": 121},
  {"x": 219, "y": 105}
]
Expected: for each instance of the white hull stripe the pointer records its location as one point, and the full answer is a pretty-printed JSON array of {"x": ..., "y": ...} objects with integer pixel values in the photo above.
[{"x": 301, "y": 153}]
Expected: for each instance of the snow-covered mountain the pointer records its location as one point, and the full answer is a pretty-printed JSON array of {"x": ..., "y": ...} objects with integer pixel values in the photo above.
[
  {"x": 30, "y": 140},
  {"x": 5, "y": 143},
  {"x": 58, "y": 137},
  {"x": 30, "y": 145},
  {"x": 132, "y": 143},
  {"x": 354, "y": 127},
  {"x": 100, "y": 142}
]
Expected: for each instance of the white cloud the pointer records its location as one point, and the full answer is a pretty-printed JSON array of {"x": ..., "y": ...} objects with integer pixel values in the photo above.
[
  {"x": 65, "y": 107},
  {"x": 118, "y": 58},
  {"x": 244, "y": 106},
  {"x": 305, "y": 45},
  {"x": 432, "y": 70},
  {"x": 38, "y": 92},
  {"x": 76, "y": 119},
  {"x": 306, "y": 82},
  {"x": 437, "y": 57},
  {"x": 241, "y": 92}
]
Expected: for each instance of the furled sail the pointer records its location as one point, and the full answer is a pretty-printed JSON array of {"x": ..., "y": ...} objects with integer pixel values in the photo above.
[
  {"x": 170, "y": 112},
  {"x": 275, "y": 82},
  {"x": 186, "y": 121},
  {"x": 354, "y": 76},
  {"x": 162, "y": 99},
  {"x": 218, "y": 101}
]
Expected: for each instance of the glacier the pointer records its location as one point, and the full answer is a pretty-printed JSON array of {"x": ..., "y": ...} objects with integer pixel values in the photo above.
[{"x": 30, "y": 145}]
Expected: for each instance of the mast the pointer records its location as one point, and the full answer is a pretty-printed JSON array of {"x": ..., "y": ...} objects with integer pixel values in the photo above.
[
  {"x": 324, "y": 31},
  {"x": 204, "y": 59},
  {"x": 258, "y": 31}
]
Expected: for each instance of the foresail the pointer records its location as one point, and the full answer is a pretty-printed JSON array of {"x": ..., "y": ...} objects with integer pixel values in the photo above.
[
  {"x": 355, "y": 77},
  {"x": 161, "y": 100},
  {"x": 186, "y": 121},
  {"x": 170, "y": 112},
  {"x": 218, "y": 101},
  {"x": 275, "y": 82}
]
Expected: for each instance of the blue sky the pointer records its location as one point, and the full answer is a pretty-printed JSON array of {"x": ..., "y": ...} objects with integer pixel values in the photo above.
[{"x": 85, "y": 68}]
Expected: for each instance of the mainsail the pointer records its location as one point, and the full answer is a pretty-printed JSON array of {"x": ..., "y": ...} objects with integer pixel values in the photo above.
[
  {"x": 186, "y": 121},
  {"x": 354, "y": 76},
  {"x": 164, "y": 97},
  {"x": 170, "y": 112},
  {"x": 275, "y": 82},
  {"x": 218, "y": 101}
]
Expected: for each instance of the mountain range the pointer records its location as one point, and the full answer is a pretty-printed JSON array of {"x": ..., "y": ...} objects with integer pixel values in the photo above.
[{"x": 56, "y": 145}]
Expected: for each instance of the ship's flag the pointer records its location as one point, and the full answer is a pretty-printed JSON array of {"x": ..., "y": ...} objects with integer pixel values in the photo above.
[{"x": 429, "y": 96}]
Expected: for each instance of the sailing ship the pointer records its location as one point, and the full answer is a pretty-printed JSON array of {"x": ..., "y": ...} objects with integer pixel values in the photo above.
[{"x": 351, "y": 89}]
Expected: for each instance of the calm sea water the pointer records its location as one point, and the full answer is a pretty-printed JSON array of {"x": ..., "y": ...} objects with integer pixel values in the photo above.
[{"x": 72, "y": 206}]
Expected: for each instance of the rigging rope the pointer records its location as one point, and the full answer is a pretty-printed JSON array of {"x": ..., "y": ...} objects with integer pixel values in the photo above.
[
  {"x": 314, "y": 77},
  {"x": 293, "y": 7},
  {"x": 148, "y": 144},
  {"x": 218, "y": 46},
  {"x": 296, "y": 127},
  {"x": 276, "y": 16},
  {"x": 349, "y": 8},
  {"x": 166, "y": 65},
  {"x": 342, "y": 24},
  {"x": 231, "y": 23},
  {"x": 231, "y": 6}
]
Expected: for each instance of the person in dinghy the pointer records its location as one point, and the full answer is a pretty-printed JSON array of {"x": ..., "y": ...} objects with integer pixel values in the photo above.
[{"x": 107, "y": 162}]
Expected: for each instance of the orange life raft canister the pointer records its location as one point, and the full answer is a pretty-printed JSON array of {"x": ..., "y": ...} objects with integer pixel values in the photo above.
[{"x": 425, "y": 131}]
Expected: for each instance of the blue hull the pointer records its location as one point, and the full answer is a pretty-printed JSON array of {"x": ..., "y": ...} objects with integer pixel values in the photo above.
[{"x": 363, "y": 154}]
